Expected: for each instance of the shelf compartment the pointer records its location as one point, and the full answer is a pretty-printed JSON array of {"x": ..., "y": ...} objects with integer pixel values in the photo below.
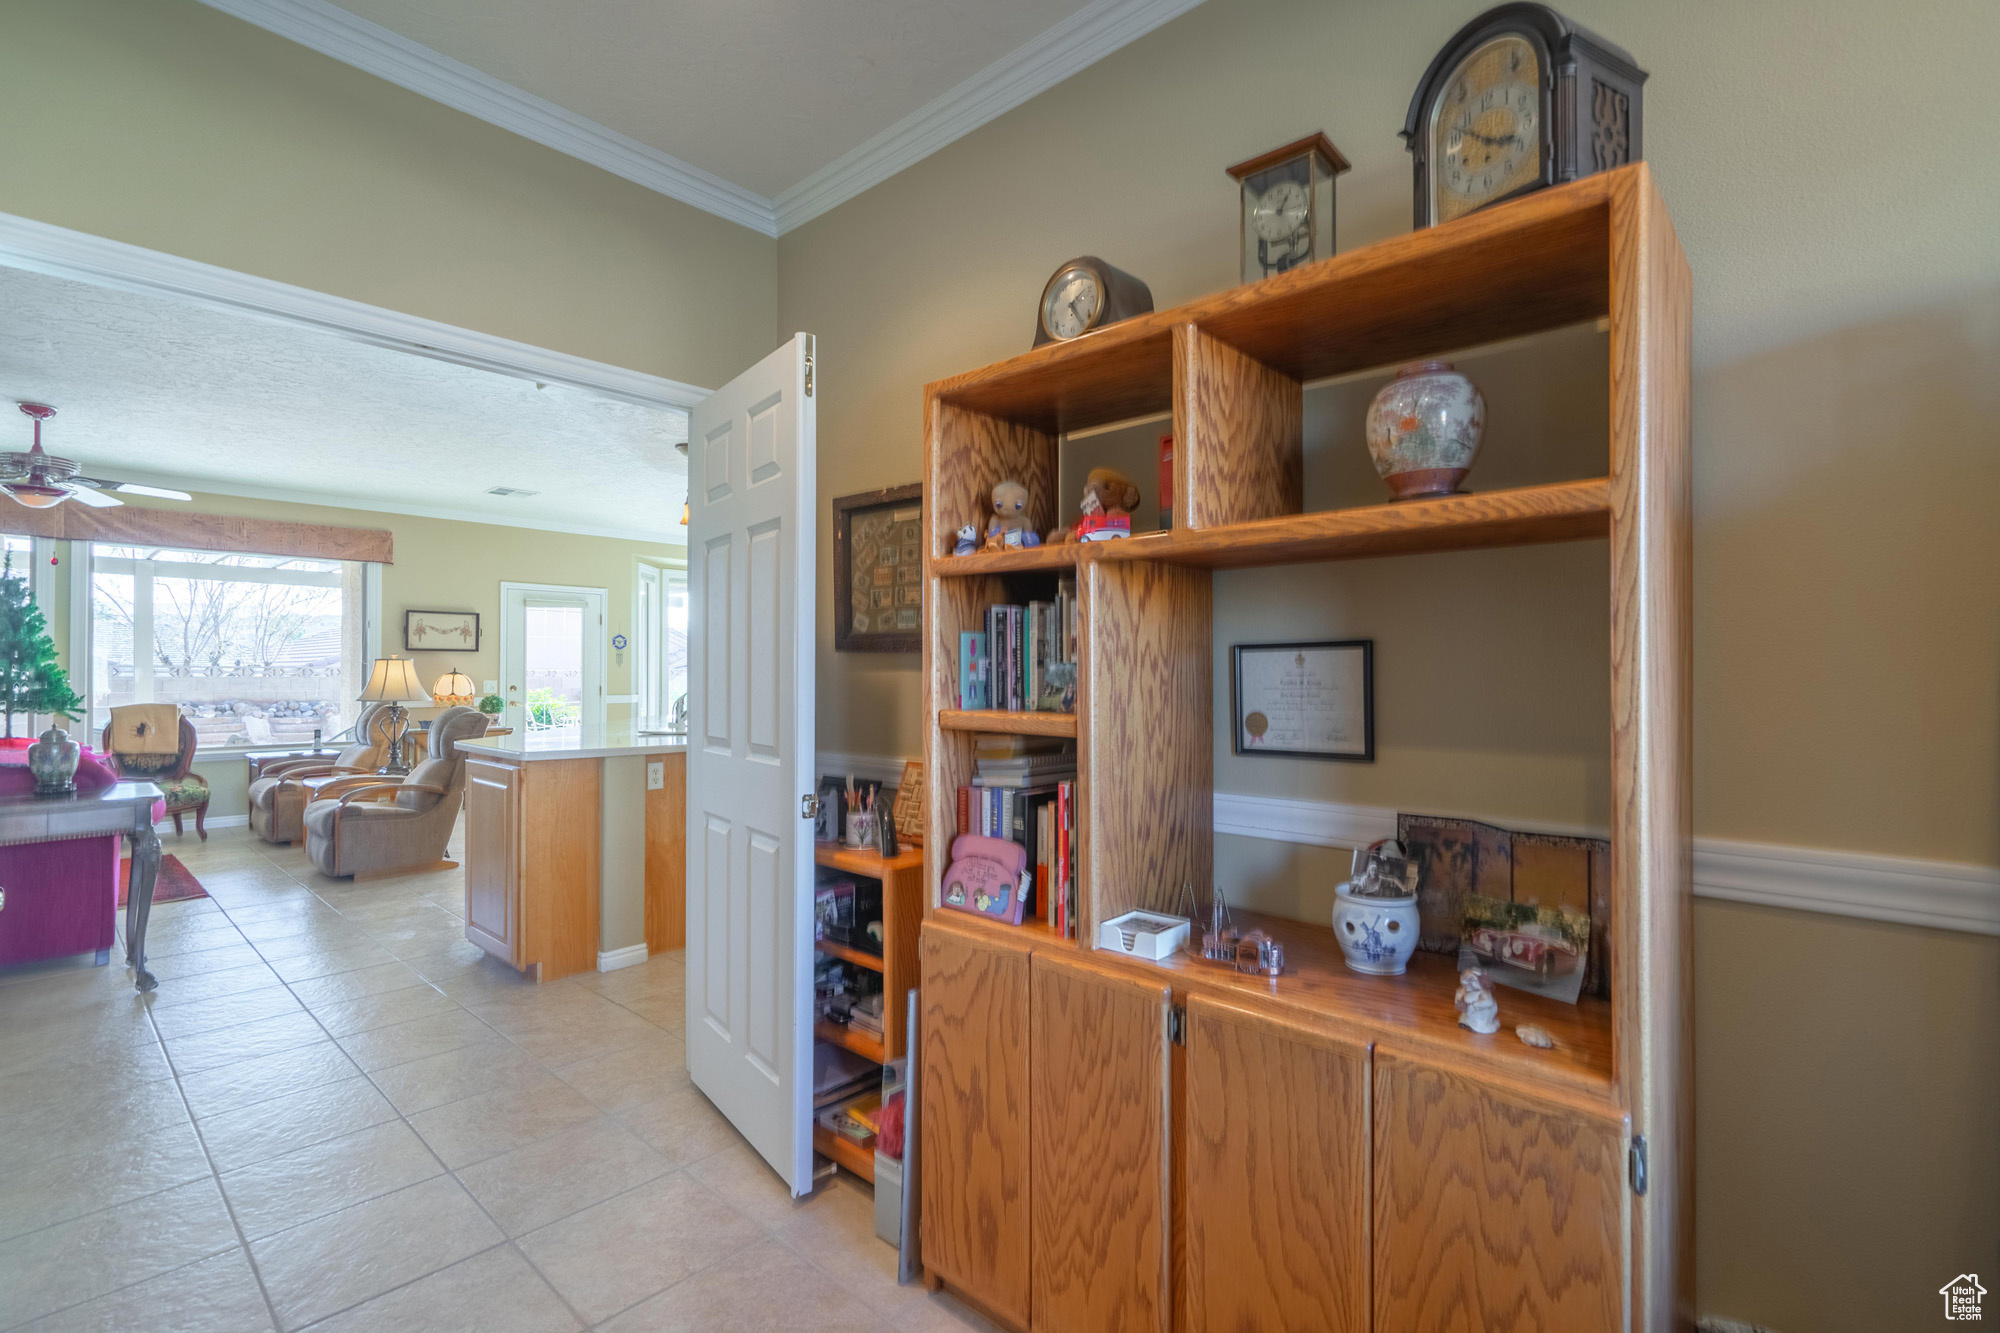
[
  {"x": 848, "y": 954},
  {"x": 1006, "y": 723},
  {"x": 862, "y": 1045},
  {"x": 861, "y": 1161},
  {"x": 1059, "y": 558},
  {"x": 863, "y": 860},
  {"x": 1525, "y": 516},
  {"x": 1119, "y": 373}
]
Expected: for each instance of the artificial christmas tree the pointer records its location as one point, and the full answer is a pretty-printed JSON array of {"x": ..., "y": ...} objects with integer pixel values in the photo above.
[{"x": 30, "y": 680}]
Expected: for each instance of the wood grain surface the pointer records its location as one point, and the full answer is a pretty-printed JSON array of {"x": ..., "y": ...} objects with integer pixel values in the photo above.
[
  {"x": 1276, "y": 1174},
  {"x": 1148, "y": 814},
  {"x": 1494, "y": 1210},
  {"x": 1651, "y": 768},
  {"x": 967, "y": 454},
  {"x": 666, "y": 855},
  {"x": 1239, "y": 441},
  {"x": 1099, "y": 1115},
  {"x": 493, "y": 858},
  {"x": 1059, "y": 558},
  {"x": 1006, "y": 723},
  {"x": 902, "y": 879},
  {"x": 1524, "y": 516},
  {"x": 974, "y": 1116},
  {"x": 1115, "y": 373},
  {"x": 561, "y": 864},
  {"x": 951, "y": 607},
  {"x": 187, "y": 530}
]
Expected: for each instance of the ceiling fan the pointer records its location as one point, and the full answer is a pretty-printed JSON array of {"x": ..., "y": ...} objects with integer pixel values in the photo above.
[{"x": 43, "y": 481}]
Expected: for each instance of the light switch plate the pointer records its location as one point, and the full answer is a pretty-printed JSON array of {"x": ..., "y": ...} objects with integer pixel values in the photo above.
[
  {"x": 493, "y": 687},
  {"x": 656, "y": 775}
]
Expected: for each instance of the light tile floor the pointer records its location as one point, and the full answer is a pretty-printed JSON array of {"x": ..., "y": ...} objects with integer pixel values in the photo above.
[{"x": 336, "y": 1114}]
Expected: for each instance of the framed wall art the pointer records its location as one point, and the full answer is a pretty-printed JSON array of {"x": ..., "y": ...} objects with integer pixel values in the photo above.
[
  {"x": 440, "y": 631},
  {"x": 1310, "y": 700},
  {"x": 878, "y": 571}
]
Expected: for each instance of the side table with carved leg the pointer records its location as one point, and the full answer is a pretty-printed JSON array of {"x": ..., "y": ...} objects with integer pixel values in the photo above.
[{"x": 125, "y": 808}]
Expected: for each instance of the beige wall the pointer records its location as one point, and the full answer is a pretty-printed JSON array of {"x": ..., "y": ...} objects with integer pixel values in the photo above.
[
  {"x": 1847, "y": 628},
  {"x": 173, "y": 126}
]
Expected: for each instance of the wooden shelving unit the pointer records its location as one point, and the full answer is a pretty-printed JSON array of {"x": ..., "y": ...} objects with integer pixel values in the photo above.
[
  {"x": 861, "y": 1161},
  {"x": 1230, "y": 370}
]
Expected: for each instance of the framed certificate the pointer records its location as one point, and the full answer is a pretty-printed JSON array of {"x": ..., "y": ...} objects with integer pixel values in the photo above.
[{"x": 1315, "y": 700}]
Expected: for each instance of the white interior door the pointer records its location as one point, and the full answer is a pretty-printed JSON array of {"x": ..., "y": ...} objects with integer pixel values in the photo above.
[
  {"x": 750, "y": 755},
  {"x": 552, "y": 657}
]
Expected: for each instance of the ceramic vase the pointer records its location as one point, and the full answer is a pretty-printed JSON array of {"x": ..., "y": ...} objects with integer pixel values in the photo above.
[
  {"x": 1424, "y": 429},
  {"x": 1378, "y": 935},
  {"x": 52, "y": 760}
]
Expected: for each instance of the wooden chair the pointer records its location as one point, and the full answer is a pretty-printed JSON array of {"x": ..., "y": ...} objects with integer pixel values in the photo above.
[{"x": 184, "y": 789}]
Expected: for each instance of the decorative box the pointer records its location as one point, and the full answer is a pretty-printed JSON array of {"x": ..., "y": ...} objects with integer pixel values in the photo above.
[{"x": 1143, "y": 935}]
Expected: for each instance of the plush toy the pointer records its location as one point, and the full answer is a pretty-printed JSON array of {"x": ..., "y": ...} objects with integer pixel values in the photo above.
[
  {"x": 968, "y": 540},
  {"x": 1008, "y": 527},
  {"x": 1109, "y": 497}
]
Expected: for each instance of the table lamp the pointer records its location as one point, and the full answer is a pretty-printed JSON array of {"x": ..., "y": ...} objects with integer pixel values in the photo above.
[
  {"x": 453, "y": 689},
  {"x": 393, "y": 681}
]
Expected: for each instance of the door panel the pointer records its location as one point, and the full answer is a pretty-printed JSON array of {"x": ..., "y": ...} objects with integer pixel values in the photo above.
[
  {"x": 973, "y": 1065},
  {"x": 750, "y": 757},
  {"x": 1098, "y": 1111},
  {"x": 1276, "y": 1201},
  {"x": 492, "y": 907},
  {"x": 1494, "y": 1210}
]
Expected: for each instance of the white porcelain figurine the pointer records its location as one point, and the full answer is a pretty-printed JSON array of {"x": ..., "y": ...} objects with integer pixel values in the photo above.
[{"x": 1477, "y": 1009}]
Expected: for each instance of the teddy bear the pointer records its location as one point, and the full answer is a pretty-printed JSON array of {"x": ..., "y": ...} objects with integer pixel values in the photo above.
[
  {"x": 1008, "y": 527},
  {"x": 1107, "y": 492}
]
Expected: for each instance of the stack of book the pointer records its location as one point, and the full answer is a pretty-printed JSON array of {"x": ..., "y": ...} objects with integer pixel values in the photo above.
[
  {"x": 1025, "y": 659},
  {"x": 1024, "y": 790}
]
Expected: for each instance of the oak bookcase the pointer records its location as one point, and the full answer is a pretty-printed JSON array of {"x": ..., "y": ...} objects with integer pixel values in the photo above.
[{"x": 1116, "y": 1144}]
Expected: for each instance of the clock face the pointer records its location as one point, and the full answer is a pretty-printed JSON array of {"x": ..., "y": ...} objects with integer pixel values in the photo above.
[
  {"x": 1282, "y": 211},
  {"x": 1072, "y": 302},
  {"x": 1486, "y": 132}
]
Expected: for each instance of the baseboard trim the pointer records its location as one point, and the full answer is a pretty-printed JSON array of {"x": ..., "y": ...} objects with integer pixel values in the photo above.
[
  {"x": 216, "y": 821},
  {"x": 1940, "y": 895},
  {"x": 630, "y": 956}
]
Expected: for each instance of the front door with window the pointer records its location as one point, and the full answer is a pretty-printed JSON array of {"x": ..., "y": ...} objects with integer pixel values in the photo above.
[{"x": 552, "y": 658}]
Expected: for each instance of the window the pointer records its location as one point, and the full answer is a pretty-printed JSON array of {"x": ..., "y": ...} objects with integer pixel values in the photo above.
[
  {"x": 254, "y": 649},
  {"x": 659, "y": 644}
]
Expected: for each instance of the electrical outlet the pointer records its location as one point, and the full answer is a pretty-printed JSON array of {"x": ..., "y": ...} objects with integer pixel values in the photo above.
[{"x": 656, "y": 775}]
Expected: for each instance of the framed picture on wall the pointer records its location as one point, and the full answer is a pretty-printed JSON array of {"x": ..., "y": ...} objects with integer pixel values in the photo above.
[
  {"x": 440, "y": 631},
  {"x": 878, "y": 571},
  {"x": 1310, "y": 700}
]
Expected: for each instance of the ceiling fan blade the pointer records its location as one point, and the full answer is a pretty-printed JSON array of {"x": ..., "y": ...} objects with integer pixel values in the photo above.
[
  {"x": 95, "y": 499},
  {"x": 158, "y": 492}
]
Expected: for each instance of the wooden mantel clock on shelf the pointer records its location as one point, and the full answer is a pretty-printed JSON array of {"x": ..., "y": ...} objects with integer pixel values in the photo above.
[
  {"x": 1114, "y": 1143},
  {"x": 1519, "y": 99}
]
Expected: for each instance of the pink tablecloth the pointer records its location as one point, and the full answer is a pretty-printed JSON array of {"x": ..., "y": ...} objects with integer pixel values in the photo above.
[{"x": 62, "y": 896}]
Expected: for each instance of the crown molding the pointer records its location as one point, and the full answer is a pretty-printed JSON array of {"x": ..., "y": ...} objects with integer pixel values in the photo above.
[
  {"x": 81, "y": 257},
  {"x": 376, "y": 50},
  {"x": 1075, "y": 44}
]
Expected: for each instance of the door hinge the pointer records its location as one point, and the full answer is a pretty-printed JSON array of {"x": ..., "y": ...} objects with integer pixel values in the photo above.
[
  {"x": 809, "y": 806},
  {"x": 1636, "y": 1159},
  {"x": 1177, "y": 1024},
  {"x": 810, "y": 349}
]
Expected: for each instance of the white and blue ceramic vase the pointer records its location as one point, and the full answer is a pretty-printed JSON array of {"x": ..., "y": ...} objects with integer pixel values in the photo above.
[
  {"x": 52, "y": 760},
  {"x": 1378, "y": 935},
  {"x": 1424, "y": 429}
]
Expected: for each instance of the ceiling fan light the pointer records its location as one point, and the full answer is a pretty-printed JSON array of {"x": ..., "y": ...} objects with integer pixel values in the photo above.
[{"x": 37, "y": 497}]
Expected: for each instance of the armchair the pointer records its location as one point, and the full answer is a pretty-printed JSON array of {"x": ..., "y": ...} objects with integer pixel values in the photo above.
[
  {"x": 365, "y": 828},
  {"x": 184, "y": 789},
  {"x": 279, "y": 794}
]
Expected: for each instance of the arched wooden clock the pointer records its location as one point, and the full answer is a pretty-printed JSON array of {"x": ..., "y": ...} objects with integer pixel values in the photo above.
[{"x": 1519, "y": 99}]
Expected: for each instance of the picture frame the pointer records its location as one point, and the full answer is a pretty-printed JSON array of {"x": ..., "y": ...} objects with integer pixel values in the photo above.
[
  {"x": 440, "y": 631},
  {"x": 878, "y": 571},
  {"x": 1304, "y": 700}
]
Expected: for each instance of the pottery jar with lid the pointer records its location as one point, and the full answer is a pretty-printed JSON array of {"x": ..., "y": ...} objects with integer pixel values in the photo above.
[{"x": 1424, "y": 429}]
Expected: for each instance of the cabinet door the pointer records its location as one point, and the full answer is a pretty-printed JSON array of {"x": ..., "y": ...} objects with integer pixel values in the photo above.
[
  {"x": 1099, "y": 1117},
  {"x": 1275, "y": 1162},
  {"x": 974, "y": 1118},
  {"x": 492, "y": 858},
  {"x": 1494, "y": 1209}
]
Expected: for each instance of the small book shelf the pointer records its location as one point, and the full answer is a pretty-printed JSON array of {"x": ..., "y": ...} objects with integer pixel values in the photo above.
[{"x": 1230, "y": 371}]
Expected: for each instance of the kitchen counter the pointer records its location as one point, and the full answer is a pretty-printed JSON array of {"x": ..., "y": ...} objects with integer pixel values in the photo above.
[{"x": 592, "y": 741}]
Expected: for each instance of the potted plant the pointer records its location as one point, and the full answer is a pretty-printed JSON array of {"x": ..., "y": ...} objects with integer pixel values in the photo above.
[
  {"x": 31, "y": 681},
  {"x": 491, "y": 704}
]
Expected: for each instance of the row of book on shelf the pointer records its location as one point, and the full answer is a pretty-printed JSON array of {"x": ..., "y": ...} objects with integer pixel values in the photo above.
[
  {"x": 1025, "y": 658},
  {"x": 1023, "y": 789}
]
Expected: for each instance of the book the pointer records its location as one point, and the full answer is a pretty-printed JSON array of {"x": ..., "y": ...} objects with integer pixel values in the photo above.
[{"x": 972, "y": 670}]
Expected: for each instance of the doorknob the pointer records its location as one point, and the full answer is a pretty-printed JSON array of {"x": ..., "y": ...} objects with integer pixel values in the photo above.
[{"x": 809, "y": 806}]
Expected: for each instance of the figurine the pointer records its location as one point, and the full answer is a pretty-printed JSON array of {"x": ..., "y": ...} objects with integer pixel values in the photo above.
[
  {"x": 1109, "y": 497},
  {"x": 1535, "y": 1036},
  {"x": 1008, "y": 528},
  {"x": 1477, "y": 1009},
  {"x": 968, "y": 540}
]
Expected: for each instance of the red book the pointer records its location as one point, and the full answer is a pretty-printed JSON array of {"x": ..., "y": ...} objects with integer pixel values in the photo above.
[{"x": 964, "y": 810}]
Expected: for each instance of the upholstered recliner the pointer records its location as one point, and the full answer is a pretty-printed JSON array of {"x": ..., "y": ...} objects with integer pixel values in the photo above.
[
  {"x": 278, "y": 795},
  {"x": 379, "y": 828}
]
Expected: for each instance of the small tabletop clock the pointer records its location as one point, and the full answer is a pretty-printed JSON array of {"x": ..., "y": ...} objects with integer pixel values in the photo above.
[
  {"x": 1086, "y": 294},
  {"x": 1519, "y": 99},
  {"x": 1288, "y": 205}
]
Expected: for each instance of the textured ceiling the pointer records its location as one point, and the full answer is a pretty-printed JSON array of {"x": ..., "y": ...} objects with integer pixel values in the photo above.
[
  {"x": 149, "y": 389},
  {"x": 759, "y": 92}
]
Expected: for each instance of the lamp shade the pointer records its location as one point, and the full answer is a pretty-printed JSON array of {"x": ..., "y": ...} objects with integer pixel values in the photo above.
[
  {"x": 394, "y": 681},
  {"x": 453, "y": 688}
]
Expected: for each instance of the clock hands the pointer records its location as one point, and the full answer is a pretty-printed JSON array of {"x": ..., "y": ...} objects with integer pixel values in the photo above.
[{"x": 1490, "y": 139}]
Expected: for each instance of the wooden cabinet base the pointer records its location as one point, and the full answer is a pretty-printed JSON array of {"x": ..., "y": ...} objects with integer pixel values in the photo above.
[{"x": 532, "y": 854}]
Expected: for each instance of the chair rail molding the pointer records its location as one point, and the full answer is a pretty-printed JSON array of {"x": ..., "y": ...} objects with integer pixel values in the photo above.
[{"x": 1079, "y": 41}]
